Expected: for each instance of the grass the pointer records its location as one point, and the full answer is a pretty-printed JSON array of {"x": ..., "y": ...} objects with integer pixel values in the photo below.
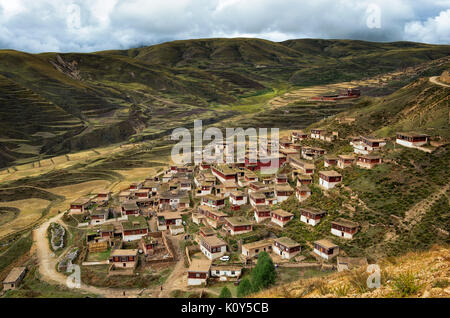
[
  {"x": 405, "y": 284},
  {"x": 15, "y": 251}
]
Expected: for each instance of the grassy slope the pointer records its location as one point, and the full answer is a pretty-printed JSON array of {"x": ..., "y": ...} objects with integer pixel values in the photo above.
[
  {"x": 416, "y": 274},
  {"x": 148, "y": 91}
]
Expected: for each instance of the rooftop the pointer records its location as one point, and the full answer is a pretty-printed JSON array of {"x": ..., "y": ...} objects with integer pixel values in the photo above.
[
  {"x": 14, "y": 274},
  {"x": 134, "y": 223},
  {"x": 258, "y": 244},
  {"x": 286, "y": 241},
  {"x": 121, "y": 252},
  {"x": 313, "y": 211},
  {"x": 213, "y": 241},
  {"x": 282, "y": 212},
  {"x": 237, "y": 220},
  {"x": 330, "y": 173},
  {"x": 325, "y": 243},
  {"x": 345, "y": 222},
  {"x": 200, "y": 265}
]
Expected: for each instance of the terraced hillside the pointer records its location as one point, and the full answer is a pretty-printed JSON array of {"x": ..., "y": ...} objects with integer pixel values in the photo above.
[{"x": 112, "y": 96}]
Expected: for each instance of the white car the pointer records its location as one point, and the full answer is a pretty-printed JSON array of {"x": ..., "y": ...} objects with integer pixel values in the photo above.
[{"x": 225, "y": 258}]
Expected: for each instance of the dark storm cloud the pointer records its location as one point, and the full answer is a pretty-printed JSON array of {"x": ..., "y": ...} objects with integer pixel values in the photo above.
[{"x": 45, "y": 25}]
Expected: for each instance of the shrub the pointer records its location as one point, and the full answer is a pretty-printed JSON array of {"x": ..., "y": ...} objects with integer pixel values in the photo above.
[
  {"x": 263, "y": 275},
  {"x": 341, "y": 290},
  {"x": 244, "y": 288},
  {"x": 225, "y": 293},
  {"x": 405, "y": 284}
]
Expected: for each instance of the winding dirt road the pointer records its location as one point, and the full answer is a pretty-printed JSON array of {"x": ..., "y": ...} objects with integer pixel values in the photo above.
[
  {"x": 48, "y": 261},
  {"x": 435, "y": 80}
]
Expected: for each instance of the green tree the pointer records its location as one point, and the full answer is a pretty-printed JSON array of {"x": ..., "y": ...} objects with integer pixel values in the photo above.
[
  {"x": 244, "y": 288},
  {"x": 263, "y": 275},
  {"x": 225, "y": 293}
]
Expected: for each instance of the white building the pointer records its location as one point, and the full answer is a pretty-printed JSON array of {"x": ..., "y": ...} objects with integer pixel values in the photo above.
[
  {"x": 198, "y": 272},
  {"x": 326, "y": 249},
  {"x": 411, "y": 140},
  {"x": 329, "y": 179},
  {"x": 344, "y": 228},
  {"x": 311, "y": 216},
  {"x": 226, "y": 272},
  {"x": 238, "y": 198},
  {"x": 212, "y": 247},
  {"x": 286, "y": 247}
]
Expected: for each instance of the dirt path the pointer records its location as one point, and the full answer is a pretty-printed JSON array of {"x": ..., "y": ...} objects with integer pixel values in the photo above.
[
  {"x": 177, "y": 279},
  {"x": 415, "y": 214},
  {"x": 435, "y": 80},
  {"x": 48, "y": 262}
]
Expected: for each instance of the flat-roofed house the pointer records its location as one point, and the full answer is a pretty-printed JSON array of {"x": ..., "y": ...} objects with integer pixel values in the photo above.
[
  {"x": 298, "y": 135},
  {"x": 107, "y": 230},
  {"x": 237, "y": 225},
  {"x": 257, "y": 198},
  {"x": 176, "y": 229},
  {"x": 198, "y": 272},
  {"x": 368, "y": 161},
  {"x": 344, "y": 228},
  {"x": 142, "y": 193},
  {"x": 290, "y": 152},
  {"x": 280, "y": 217},
  {"x": 238, "y": 198},
  {"x": 134, "y": 228},
  {"x": 262, "y": 212},
  {"x": 99, "y": 215},
  {"x": 411, "y": 139},
  {"x": 121, "y": 258},
  {"x": 212, "y": 247},
  {"x": 213, "y": 201},
  {"x": 148, "y": 244},
  {"x": 80, "y": 205},
  {"x": 135, "y": 186},
  {"x": 250, "y": 250},
  {"x": 326, "y": 249},
  {"x": 302, "y": 193},
  {"x": 345, "y": 161},
  {"x": 311, "y": 153},
  {"x": 213, "y": 217},
  {"x": 305, "y": 167},
  {"x": 226, "y": 272},
  {"x": 365, "y": 145},
  {"x": 130, "y": 208},
  {"x": 304, "y": 179},
  {"x": 281, "y": 179},
  {"x": 166, "y": 219},
  {"x": 330, "y": 161},
  {"x": 329, "y": 179},
  {"x": 103, "y": 196},
  {"x": 311, "y": 216},
  {"x": 125, "y": 196},
  {"x": 15, "y": 276},
  {"x": 286, "y": 247},
  {"x": 283, "y": 192},
  {"x": 224, "y": 173},
  {"x": 317, "y": 132}
]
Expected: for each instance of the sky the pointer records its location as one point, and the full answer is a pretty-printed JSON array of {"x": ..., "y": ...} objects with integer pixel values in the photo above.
[{"x": 94, "y": 25}]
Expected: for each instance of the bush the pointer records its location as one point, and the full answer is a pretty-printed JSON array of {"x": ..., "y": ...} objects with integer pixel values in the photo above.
[
  {"x": 225, "y": 293},
  {"x": 405, "y": 284},
  {"x": 263, "y": 275},
  {"x": 244, "y": 288}
]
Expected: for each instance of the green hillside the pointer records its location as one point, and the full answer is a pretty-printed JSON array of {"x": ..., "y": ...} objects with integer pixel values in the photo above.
[{"x": 68, "y": 102}]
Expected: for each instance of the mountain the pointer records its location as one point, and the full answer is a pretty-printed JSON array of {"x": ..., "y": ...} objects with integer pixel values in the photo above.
[{"x": 52, "y": 104}]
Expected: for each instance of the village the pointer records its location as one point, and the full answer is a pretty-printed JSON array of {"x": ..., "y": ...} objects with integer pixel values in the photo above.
[{"x": 218, "y": 218}]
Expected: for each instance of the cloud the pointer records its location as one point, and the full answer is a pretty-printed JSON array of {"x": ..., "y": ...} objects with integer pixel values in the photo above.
[
  {"x": 435, "y": 29},
  {"x": 91, "y": 25}
]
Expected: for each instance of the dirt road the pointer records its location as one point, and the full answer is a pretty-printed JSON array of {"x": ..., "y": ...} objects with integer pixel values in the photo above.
[
  {"x": 177, "y": 280},
  {"x": 48, "y": 262},
  {"x": 435, "y": 80}
]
